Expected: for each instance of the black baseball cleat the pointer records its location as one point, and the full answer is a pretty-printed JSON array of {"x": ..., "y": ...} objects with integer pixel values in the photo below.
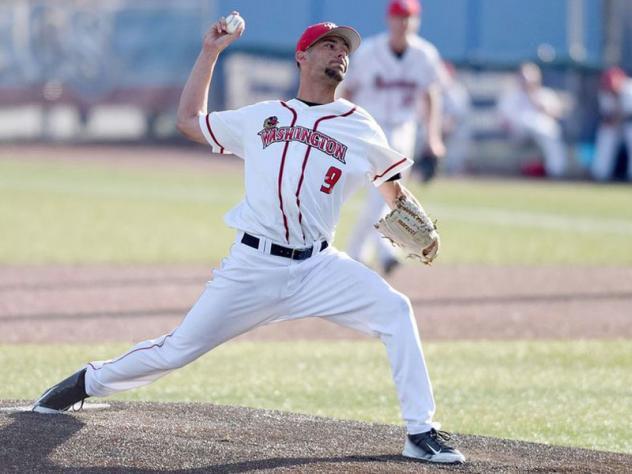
[
  {"x": 64, "y": 395},
  {"x": 431, "y": 447}
]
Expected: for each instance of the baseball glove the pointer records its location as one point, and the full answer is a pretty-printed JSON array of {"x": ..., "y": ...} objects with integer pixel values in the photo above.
[{"x": 409, "y": 227}]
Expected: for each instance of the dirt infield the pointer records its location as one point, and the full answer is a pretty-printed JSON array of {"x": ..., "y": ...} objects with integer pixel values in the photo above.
[
  {"x": 94, "y": 303},
  {"x": 191, "y": 438}
]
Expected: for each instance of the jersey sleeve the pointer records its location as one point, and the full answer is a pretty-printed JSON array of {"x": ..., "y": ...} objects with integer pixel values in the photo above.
[
  {"x": 224, "y": 131},
  {"x": 385, "y": 162}
]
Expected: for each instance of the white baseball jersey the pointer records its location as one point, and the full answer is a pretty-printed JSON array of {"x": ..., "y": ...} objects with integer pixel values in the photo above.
[
  {"x": 523, "y": 114},
  {"x": 388, "y": 87},
  {"x": 524, "y": 111},
  {"x": 301, "y": 164},
  {"x": 609, "y": 135}
]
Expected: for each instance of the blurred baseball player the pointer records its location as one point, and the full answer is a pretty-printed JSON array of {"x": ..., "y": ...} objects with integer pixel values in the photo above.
[
  {"x": 529, "y": 110},
  {"x": 615, "y": 107},
  {"x": 392, "y": 74},
  {"x": 302, "y": 158},
  {"x": 457, "y": 108}
]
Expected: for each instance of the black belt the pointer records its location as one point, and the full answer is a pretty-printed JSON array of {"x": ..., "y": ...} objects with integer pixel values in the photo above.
[{"x": 280, "y": 251}]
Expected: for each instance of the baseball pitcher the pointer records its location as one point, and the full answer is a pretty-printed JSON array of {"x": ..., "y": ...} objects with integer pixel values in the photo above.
[{"x": 302, "y": 158}]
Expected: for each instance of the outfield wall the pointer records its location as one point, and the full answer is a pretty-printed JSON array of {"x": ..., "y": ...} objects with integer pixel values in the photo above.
[{"x": 76, "y": 71}]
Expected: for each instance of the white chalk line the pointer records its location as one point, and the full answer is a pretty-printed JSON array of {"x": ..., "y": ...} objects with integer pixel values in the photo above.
[{"x": 446, "y": 212}]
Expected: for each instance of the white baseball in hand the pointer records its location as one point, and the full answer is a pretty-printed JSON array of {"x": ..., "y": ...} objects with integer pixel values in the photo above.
[{"x": 233, "y": 22}]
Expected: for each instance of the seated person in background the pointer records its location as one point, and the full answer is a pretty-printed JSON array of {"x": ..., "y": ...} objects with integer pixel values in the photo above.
[
  {"x": 615, "y": 110},
  {"x": 529, "y": 110}
]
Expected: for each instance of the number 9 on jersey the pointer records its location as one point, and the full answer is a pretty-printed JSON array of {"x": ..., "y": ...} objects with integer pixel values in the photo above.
[{"x": 331, "y": 178}]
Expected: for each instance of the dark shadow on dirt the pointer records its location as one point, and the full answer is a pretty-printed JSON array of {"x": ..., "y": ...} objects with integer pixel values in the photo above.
[
  {"x": 334, "y": 463},
  {"x": 30, "y": 438}
]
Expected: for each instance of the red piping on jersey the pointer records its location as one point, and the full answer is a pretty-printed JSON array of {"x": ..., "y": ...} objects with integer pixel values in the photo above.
[
  {"x": 389, "y": 168},
  {"x": 294, "y": 117},
  {"x": 309, "y": 149},
  {"x": 210, "y": 130}
]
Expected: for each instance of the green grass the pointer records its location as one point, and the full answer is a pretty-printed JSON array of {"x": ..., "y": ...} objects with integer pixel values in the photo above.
[
  {"x": 69, "y": 213},
  {"x": 563, "y": 393},
  {"x": 52, "y": 212}
]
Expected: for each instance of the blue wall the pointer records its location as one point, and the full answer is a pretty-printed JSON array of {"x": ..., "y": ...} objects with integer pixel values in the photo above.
[
  {"x": 497, "y": 32},
  {"x": 154, "y": 42}
]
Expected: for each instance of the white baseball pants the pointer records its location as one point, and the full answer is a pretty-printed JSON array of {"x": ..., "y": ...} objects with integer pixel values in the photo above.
[
  {"x": 608, "y": 141},
  {"x": 364, "y": 235},
  {"x": 253, "y": 288},
  {"x": 547, "y": 133},
  {"x": 458, "y": 144}
]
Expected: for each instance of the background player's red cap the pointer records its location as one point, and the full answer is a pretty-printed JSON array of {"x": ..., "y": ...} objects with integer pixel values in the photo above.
[
  {"x": 612, "y": 79},
  {"x": 404, "y": 8},
  {"x": 320, "y": 30}
]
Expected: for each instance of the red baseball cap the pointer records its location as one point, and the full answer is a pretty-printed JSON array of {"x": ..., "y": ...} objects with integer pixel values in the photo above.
[
  {"x": 318, "y": 31},
  {"x": 612, "y": 79},
  {"x": 404, "y": 8}
]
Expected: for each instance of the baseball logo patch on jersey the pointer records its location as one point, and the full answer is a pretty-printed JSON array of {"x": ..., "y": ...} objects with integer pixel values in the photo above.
[
  {"x": 271, "y": 122},
  {"x": 315, "y": 139}
]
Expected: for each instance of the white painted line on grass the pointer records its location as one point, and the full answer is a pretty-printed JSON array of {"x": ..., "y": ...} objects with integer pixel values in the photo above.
[
  {"x": 518, "y": 218},
  {"x": 180, "y": 194},
  {"x": 215, "y": 195},
  {"x": 602, "y": 225}
]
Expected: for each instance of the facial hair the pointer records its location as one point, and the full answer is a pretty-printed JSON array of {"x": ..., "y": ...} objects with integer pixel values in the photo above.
[{"x": 334, "y": 74}]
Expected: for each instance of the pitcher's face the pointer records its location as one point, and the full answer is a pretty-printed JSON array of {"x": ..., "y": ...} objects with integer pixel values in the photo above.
[{"x": 328, "y": 57}]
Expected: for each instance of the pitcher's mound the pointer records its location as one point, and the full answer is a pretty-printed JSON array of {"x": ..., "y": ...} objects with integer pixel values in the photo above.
[{"x": 174, "y": 437}]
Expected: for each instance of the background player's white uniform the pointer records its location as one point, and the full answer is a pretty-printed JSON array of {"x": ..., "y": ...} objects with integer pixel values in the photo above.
[
  {"x": 457, "y": 108},
  {"x": 390, "y": 88},
  {"x": 610, "y": 135},
  {"x": 301, "y": 163},
  {"x": 525, "y": 117}
]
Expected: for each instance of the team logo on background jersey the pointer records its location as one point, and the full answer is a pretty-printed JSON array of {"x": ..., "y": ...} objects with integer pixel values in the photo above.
[
  {"x": 271, "y": 122},
  {"x": 272, "y": 134},
  {"x": 381, "y": 83}
]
